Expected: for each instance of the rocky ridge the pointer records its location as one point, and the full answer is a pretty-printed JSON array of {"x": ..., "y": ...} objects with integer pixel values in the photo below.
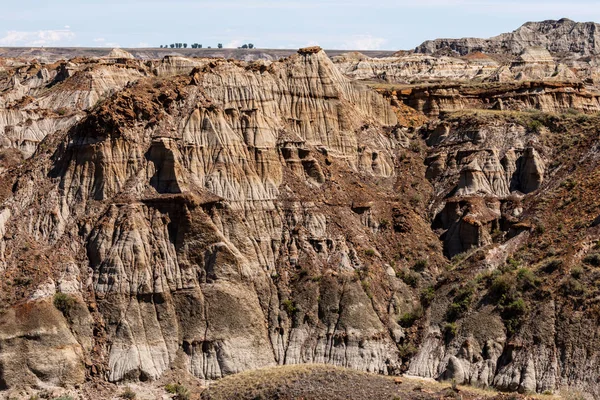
[{"x": 560, "y": 37}]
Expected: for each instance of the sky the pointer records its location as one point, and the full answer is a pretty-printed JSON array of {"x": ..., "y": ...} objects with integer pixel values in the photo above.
[{"x": 332, "y": 24}]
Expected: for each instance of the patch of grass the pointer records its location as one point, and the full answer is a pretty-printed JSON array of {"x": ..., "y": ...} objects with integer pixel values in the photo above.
[
  {"x": 369, "y": 252},
  {"x": 569, "y": 184},
  {"x": 592, "y": 259},
  {"x": 416, "y": 200},
  {"x": 427, "y": 296},
  {"x": 408, "y": 319},
  {"x": 461, "y": 303},
  {"x": 180, "y": 391},
  {"x": 512, "y": 314},
  {"x": 128, "y": 393},
  {"x": 576, "y": 272},
  {"x": 64, "y": 302},
  {"x": 411, "y": 278},
  {"x": 552, "y": 265},
  {"x": 407, "y": 350},
  {"x": 450, "y": 330},
  {"x": 572, "y": 287},
  {"x": 420, "y": 265},
  {"x": 526, "y": 280},
  {"x": 384, "y": 224},
  {"x": 289, "y": 307},
  {"x": 534, "y": 126}
]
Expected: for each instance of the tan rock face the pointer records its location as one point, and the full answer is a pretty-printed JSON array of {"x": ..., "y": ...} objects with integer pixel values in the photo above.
[
  {"x": 199, "y": 218},
  {"x": 206, "y": 219}
]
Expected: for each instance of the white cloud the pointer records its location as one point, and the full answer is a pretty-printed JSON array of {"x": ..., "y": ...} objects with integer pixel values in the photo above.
[
  {"x": 363, "y": 42},
  {"x": 101, "y": 42},
  {"x": 234, "y": 44},
  {"x": 37, "y": 38}
]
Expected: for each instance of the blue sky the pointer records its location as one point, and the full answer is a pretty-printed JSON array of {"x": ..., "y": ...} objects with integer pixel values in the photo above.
[{"x": 332, "y": 24}]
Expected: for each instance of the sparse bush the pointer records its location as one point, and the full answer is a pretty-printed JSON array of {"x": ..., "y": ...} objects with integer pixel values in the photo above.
[
  {"x": 461, "y": 303},
  {"x": 289, "y": 307},
  {"x": 420, "y": 265},
  {"x": 407, "y": 350},
  {"x": 526, "y": 279},
  {"x": 501, "y": 286},
  {"x": 384, "y": 224},
  {"x": 534, "y": 126},
  {"x": 552, "y": 265},
  {"x": 449, "y": 331},
  {"x": 369, "y": 252},
  {"x": 64, "y": 302},
  {"x": 408, "y": 319},
  {"x": 572, "y": 287},
  {"x": 427, "y": 296},
  {"x": 416, "y": 200},
  {"x": 180, "y": 391},
  {"x": 512, "y": 315},
  {"x": 128, "y": 393},
  {"x": 592, "y": 259},
  {"x": 569, "y": 184},
  {"x": 576, "y": 272},
  {"x": 411, "y": 278},
  {"x": 540, "y": 229}
]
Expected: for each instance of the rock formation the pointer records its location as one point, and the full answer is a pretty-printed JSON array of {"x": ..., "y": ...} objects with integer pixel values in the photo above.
[
  {"x": 562, "y": 36},
  {"x": 188, "y": 219}
]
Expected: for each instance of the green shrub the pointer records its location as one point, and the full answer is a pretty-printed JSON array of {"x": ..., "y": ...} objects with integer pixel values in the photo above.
[
  {"x": 181, "y": 392},
  {"x": 415, "y": 200},
  {"x": 534, "y": 126},
  {"x": 552, "y": 265},
  {"x": 501, "y": 286},
  {"x": 512, "y": 314},
  {"x": 407, "y": 350},
  {"x": 569, "y": 184},
  {"x": 576, "y": 272},
  {"x": 461, "y": 303},
  {"x": 526, "y": 279},
  {"x": 369, "y": 252},
  {"x": 408, "y": 319},
  {"x": 427, "y": 295},
  {"x": 289, "y": 307},
  {"x": 420, "y": 265},
  {"x": 511, "y": 264},
  {"x": 540, "y": 229},
  {"x": 128, "y": 393},
  {"x": 64, "y": 302},
  {"x": 572, "y": 287},
  {"x": 449, "y": 331},
  {"x": 411, "y": 278},
  {"x": 592, "y": 259}
]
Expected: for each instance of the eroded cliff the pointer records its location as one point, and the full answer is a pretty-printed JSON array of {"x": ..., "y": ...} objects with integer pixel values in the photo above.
[{"x": 206, "y": 217}]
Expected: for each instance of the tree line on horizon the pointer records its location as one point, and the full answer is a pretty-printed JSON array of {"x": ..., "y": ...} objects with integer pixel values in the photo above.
[{"x": 199, "y": 46}]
